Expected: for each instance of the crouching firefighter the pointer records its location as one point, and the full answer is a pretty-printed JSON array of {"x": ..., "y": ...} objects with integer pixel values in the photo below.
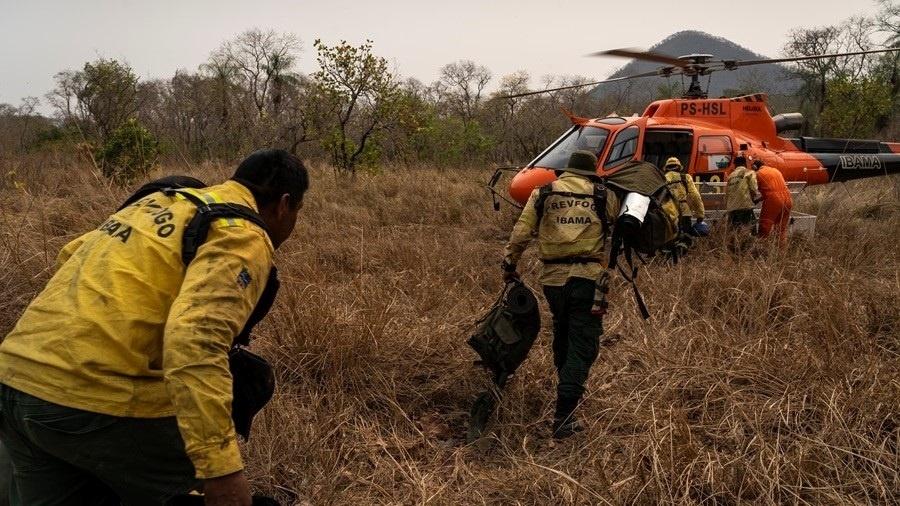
[
  {"x": 568, "y": 218},
  {"x": 116, "y": 383}
]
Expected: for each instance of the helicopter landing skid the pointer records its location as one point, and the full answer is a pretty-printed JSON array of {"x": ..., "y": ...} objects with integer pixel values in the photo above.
[{"x": 496, "y": 196}]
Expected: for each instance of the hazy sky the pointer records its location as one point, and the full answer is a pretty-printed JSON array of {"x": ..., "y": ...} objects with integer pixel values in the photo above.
[{"x": 41, "y": 37}]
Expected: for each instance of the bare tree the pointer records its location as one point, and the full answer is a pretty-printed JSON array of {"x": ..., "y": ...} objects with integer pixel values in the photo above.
[
  {"x": 223, "y": 73},
  {"x": 852, "y": 35},
  {"x": 262, "y": 60},
  {"x": 26, "y": 111},
  {"x": 19, "y": 125},
  {"x": 887, "y": 21},
  {"x": 463, "y": 83},
  {"x": 298, "y": 112}
]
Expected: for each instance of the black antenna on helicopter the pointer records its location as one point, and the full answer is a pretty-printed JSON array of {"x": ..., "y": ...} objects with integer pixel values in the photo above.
[{"x": 692, "y": 65}]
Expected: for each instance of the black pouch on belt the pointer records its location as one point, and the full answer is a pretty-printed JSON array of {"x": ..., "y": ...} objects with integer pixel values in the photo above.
[{"x": 253, "y": 384}]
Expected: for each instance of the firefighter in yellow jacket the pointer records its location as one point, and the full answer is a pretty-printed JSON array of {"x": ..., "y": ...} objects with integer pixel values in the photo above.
[
  {"x": 115, "y": 380},
  {"x": 686, "y": 194},
  {"x": 571, "y": 236},
  {"x": 741, "y": 194}
]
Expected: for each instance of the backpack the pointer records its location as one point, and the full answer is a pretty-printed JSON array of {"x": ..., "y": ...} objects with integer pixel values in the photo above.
[
  {"x": 253, "y": 380},
  {"x": 504, "y": 336},
  {"x": 660, "y": 225}
]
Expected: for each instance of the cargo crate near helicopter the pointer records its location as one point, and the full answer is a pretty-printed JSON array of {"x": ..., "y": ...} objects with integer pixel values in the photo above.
[{"x": 713, "y": 193}]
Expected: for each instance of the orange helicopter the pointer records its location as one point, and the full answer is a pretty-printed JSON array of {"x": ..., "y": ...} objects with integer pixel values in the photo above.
[{"x": 705, "y": 134}]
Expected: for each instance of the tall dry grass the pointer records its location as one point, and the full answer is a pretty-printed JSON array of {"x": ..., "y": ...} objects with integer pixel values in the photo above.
[{"x": 770, "y": 377}]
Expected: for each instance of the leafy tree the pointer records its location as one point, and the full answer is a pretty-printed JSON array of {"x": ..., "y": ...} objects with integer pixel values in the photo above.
[
  {"x": 853, "y": 105},
  {"x": 361, "y": 99},
  {"x": 855, "y": 34},
  {"x": 98, "y": 99}
]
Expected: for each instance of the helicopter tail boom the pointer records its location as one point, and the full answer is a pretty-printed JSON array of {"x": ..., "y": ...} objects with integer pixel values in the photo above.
[{"x": 848, "y": 159}]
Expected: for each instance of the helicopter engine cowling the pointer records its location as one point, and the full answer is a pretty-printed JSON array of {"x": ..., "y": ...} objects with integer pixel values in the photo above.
[{"x": 788, "y": 121}]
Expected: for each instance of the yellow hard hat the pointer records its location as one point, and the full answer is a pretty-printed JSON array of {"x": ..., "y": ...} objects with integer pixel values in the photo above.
[{"x": 673, "y": 162}]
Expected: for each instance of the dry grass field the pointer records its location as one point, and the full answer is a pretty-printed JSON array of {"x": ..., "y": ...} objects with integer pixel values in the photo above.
[{"x": 770, "y": 377}]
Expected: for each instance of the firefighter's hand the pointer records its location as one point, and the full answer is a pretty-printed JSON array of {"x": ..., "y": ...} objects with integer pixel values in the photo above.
[
  {"x": 509, "y": 272},
  {"x": 510, "y": 276},
  {"x": 229, "y": 490}
]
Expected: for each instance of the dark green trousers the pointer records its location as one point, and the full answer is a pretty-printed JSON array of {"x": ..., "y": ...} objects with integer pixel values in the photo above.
[
  {"x": 576, "y": 334},
  {"x": 65, "y": 456}
]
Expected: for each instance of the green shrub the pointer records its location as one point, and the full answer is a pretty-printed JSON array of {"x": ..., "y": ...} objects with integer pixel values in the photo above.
[{"x": 129, "y": 153}]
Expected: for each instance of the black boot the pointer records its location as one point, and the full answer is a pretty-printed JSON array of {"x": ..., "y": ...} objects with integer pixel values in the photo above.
[{"x": 564, "y": 422}]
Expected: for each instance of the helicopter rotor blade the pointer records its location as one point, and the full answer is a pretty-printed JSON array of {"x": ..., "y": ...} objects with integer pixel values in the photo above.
[
  {"x": 732, "y": 64},
  {"x": 660, "y": 72},
  {"x": 640, "y": 54}
]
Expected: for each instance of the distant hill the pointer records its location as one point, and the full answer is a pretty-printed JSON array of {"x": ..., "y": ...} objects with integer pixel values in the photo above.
[{"x": 762, "y": 78}]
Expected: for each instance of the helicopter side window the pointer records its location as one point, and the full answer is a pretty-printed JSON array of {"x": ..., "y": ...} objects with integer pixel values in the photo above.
[
  {"x": 587, "y": 138},
  {"x": 624, "y": 147},
  {"x": 716, "y": 150}
]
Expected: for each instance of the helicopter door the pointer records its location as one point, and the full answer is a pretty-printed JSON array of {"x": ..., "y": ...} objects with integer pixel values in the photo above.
[
  {"x": 626, "y": 145},
  {"x": 662, "y": 144},
  {"x": 714, "y": 157}
]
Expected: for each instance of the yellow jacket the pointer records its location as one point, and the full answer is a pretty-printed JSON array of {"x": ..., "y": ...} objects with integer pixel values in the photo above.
[
  {"x": 123, "y": 329},
  {"x": 685, "y": 192},
  {"x": 569, "y": 228},
  {"x": 741, "y": 189}
]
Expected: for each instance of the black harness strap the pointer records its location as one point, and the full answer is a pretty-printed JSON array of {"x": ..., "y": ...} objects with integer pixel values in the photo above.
[
  {"x": 667, "y": 188},
  {"x": 638, "y": 298},
  {"x": 684, "y": 183},
  {"x": 600, "y": 205},
  {"x": 618, "y": 246},
  {"x": 687, "y": 196},
  {"x": 197, "y": 231},
  {"x": 166, "y": 183},
  {"x": 195, "y": 235},
  {"x": 198, "y": 228},
  {"x": 543, "y": 193}
]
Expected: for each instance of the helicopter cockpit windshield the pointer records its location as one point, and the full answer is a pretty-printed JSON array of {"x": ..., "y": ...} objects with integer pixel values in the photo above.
[{"x": 589, "y": 138}]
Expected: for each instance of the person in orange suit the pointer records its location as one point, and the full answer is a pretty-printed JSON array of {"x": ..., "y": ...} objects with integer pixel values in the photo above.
[{"x": 776, "y": 202}]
